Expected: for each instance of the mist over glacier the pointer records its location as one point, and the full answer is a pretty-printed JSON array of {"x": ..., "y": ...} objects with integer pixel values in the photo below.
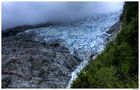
[{"x": 29, "y": 13}]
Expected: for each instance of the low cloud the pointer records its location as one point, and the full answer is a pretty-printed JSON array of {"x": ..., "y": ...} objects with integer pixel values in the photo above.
[{"x": 29, "y": 13}]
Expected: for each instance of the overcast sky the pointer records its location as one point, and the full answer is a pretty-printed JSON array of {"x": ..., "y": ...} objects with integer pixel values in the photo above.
[{"x": 28, "y": 13}]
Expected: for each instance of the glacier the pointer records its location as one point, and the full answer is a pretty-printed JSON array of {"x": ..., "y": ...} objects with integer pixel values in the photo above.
[{"x": 84, "y": 38}]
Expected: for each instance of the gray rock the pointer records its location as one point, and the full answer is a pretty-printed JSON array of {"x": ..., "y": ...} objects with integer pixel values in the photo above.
[
  {"x": 28, "y": 64},
  {"x": 114, "y": 30}
]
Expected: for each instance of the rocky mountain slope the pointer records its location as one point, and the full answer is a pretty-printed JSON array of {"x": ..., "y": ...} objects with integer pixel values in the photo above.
[{"x": 32, "y": 64}]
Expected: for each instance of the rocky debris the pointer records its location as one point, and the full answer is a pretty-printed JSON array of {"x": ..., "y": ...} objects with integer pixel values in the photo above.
[
  {"x": 28, "y": 64},
  {"x": 114, "y": 29}
]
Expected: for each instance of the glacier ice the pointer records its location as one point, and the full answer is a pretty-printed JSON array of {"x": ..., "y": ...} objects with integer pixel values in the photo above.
[{"x": 83, "y": 38}]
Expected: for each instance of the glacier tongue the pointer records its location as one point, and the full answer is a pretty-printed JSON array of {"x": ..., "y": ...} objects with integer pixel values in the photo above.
[{"x": 83, "y": 38}]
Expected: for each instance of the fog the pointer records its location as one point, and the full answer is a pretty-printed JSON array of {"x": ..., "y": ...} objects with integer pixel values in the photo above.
[{"x": 29, "y": 13}]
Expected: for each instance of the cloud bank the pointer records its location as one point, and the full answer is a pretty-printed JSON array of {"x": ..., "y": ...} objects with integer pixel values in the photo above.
[{"x": 29, "y": 13}]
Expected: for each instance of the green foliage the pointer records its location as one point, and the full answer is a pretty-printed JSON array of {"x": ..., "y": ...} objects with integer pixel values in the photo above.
[{"x": 117, "y": 66}]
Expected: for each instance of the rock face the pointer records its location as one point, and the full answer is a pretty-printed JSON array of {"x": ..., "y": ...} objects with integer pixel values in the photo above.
[
  {"x": 114, "y": 29},
  {"x": 35, "y": 65}
]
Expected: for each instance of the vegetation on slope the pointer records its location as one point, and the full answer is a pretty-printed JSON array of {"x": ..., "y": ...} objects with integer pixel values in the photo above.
[{"x": 117, "y": 66}]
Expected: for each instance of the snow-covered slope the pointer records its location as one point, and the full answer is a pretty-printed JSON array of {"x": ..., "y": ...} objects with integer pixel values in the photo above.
[{"x": 83, "y": 38}]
